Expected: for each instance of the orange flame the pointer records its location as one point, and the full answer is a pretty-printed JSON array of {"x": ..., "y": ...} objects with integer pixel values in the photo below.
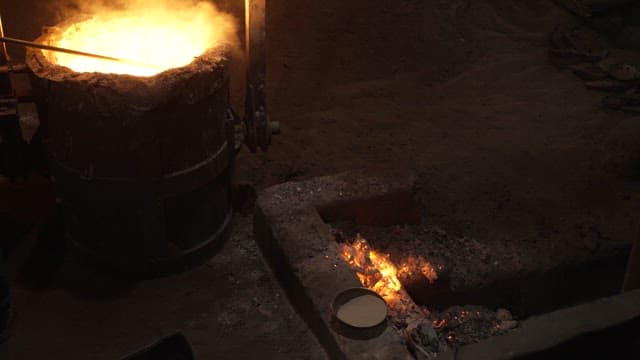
[
  {"x": 418, "y": 263},
  {"x": 378, "y": 273},
  {"x": 160, "y": 33}
]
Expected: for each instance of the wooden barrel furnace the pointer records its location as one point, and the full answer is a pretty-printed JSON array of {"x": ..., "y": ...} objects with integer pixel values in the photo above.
[{"x": 142, "y": 166}]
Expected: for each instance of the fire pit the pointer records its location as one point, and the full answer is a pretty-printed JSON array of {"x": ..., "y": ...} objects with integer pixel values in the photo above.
[{"x": 292, "y": 229}]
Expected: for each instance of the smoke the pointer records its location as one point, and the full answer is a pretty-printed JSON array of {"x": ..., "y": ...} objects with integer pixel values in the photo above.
[{"x": 200, "y": 13}]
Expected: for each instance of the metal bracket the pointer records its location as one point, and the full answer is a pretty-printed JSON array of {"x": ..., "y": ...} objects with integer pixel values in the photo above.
[
  {"x": 258, "y": 128},
  {"x": 19, "y": 121},
  {"x": 237, "y": 127}
]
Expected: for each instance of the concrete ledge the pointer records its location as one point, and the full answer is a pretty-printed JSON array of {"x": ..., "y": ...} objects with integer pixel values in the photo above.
[
  {"x": 540, "y": 333},
  {"x": 292, "y": 235}
]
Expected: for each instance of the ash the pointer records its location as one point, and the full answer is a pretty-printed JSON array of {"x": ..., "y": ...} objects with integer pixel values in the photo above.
[
  {"x": 429, "y": 333},
  {"x": 460, "y": 325}
]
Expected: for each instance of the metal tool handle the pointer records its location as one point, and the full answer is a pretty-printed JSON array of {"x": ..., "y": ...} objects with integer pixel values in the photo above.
[
  {"x": 258, "y": 128},
  {"x": 31, "y": 44},
  {"x": 4, "y": 55}
]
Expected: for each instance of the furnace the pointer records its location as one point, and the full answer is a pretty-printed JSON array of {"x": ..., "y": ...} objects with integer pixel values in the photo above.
[
  {"x": 142, "y": 165},
  {"x": 139, "y": 131}
]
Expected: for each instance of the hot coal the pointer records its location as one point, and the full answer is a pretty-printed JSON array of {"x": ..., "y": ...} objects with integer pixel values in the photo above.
[
  {"x": 427, "y": 333},
  {"x": 501, "y": 273},
  {"x": 460, "y": 325}
]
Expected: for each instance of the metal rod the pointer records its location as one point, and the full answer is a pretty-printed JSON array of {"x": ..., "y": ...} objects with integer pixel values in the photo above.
[
  {"x": 258, "y": 130},
  {"x": 632, "y": 276},
  {"x": 4, "y": 54},
  {"x": 32, "y": 44}
]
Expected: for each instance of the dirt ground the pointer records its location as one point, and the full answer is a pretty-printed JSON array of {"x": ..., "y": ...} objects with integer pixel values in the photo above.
[
  {"x": 507, "y": 148},
  {"x": 230, "y": 308}
]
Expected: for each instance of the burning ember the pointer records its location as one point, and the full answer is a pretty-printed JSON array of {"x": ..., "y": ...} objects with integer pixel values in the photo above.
[
  {"x": 376, "y": 272},
  {"x": 427, "y": 333},
  {"x": 152, "y": 35}
]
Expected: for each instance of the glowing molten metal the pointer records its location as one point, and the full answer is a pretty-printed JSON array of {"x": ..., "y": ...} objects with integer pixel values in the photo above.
[
  {"x": 378, "y": 273},
  {"x": 156, "y": 33}
]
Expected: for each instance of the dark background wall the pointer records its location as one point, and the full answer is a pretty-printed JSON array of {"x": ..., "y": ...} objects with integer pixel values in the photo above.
[{"x": 24, "y": 19}]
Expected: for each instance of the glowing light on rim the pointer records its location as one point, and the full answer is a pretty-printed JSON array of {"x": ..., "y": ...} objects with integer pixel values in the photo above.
[{"x": 155, "y": 33}]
